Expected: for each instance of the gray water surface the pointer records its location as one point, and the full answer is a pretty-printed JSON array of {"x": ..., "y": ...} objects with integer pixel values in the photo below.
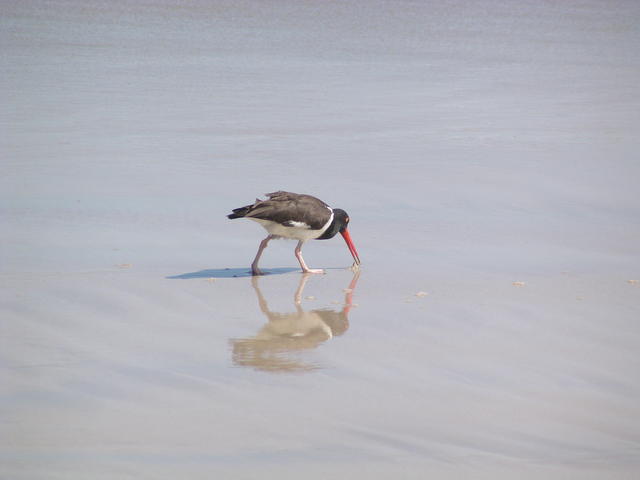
[{"x": 487, "y": 155}]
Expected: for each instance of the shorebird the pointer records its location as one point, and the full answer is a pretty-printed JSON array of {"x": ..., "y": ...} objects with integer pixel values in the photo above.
[{"x": 299, "y": 217}]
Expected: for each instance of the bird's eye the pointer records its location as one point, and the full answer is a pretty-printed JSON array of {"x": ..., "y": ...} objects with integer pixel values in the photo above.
[{"x": 346, "y": 219}]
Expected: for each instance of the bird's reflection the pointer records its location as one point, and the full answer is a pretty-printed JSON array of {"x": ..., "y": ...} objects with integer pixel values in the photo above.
[{"x": 274, "y": 347}]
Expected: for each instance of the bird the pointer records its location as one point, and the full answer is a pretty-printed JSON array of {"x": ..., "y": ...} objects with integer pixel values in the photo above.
[{"x": 296, "y": 216}]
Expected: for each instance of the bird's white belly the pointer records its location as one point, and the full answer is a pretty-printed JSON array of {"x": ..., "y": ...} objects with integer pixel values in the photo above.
[{"x": 300, "y": 231}]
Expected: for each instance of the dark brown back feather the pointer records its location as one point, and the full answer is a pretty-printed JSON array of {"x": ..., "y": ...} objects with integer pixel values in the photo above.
[{"x": 284, "y": 207}]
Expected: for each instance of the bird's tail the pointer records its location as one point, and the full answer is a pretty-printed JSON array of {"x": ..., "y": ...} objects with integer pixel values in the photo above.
[{"x": 239, "y": 212}]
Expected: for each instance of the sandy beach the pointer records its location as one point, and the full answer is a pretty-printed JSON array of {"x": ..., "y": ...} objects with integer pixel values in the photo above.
[{"x": 487, "y": 155}]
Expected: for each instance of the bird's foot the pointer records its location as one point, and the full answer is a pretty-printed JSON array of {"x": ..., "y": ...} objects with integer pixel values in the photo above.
[
  {"x": 256, "y": 271},
  {"x": 312, "y": 270}
]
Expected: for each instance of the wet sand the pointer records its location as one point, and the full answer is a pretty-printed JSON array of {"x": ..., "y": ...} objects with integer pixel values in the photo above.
[
  {"x": 487, "y": 157},
  {"x": 122, "y": 374}
]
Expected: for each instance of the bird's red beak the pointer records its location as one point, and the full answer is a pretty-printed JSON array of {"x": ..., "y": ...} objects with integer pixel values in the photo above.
[{"x": 352, "y": 247}]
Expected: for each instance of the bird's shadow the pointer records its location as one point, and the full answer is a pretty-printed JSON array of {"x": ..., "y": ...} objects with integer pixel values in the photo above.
[{"x": 228, "y": 273}]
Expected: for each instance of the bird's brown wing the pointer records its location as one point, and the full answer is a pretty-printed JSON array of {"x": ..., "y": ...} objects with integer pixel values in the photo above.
[{"x": 291, "y": 209}]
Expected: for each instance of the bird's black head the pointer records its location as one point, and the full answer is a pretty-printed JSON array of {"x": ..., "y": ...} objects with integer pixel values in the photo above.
[
  {"x": 338, "y": 225},
  {"x": 341, "y": 218}
]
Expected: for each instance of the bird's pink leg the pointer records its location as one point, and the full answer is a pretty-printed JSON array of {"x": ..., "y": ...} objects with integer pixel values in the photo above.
[
  {"x": 254, "y": 266},
  {"x": 305, "y": 269}
]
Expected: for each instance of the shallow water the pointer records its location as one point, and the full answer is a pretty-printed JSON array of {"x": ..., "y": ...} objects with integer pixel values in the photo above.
[{"x": 486, "y": 153}]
